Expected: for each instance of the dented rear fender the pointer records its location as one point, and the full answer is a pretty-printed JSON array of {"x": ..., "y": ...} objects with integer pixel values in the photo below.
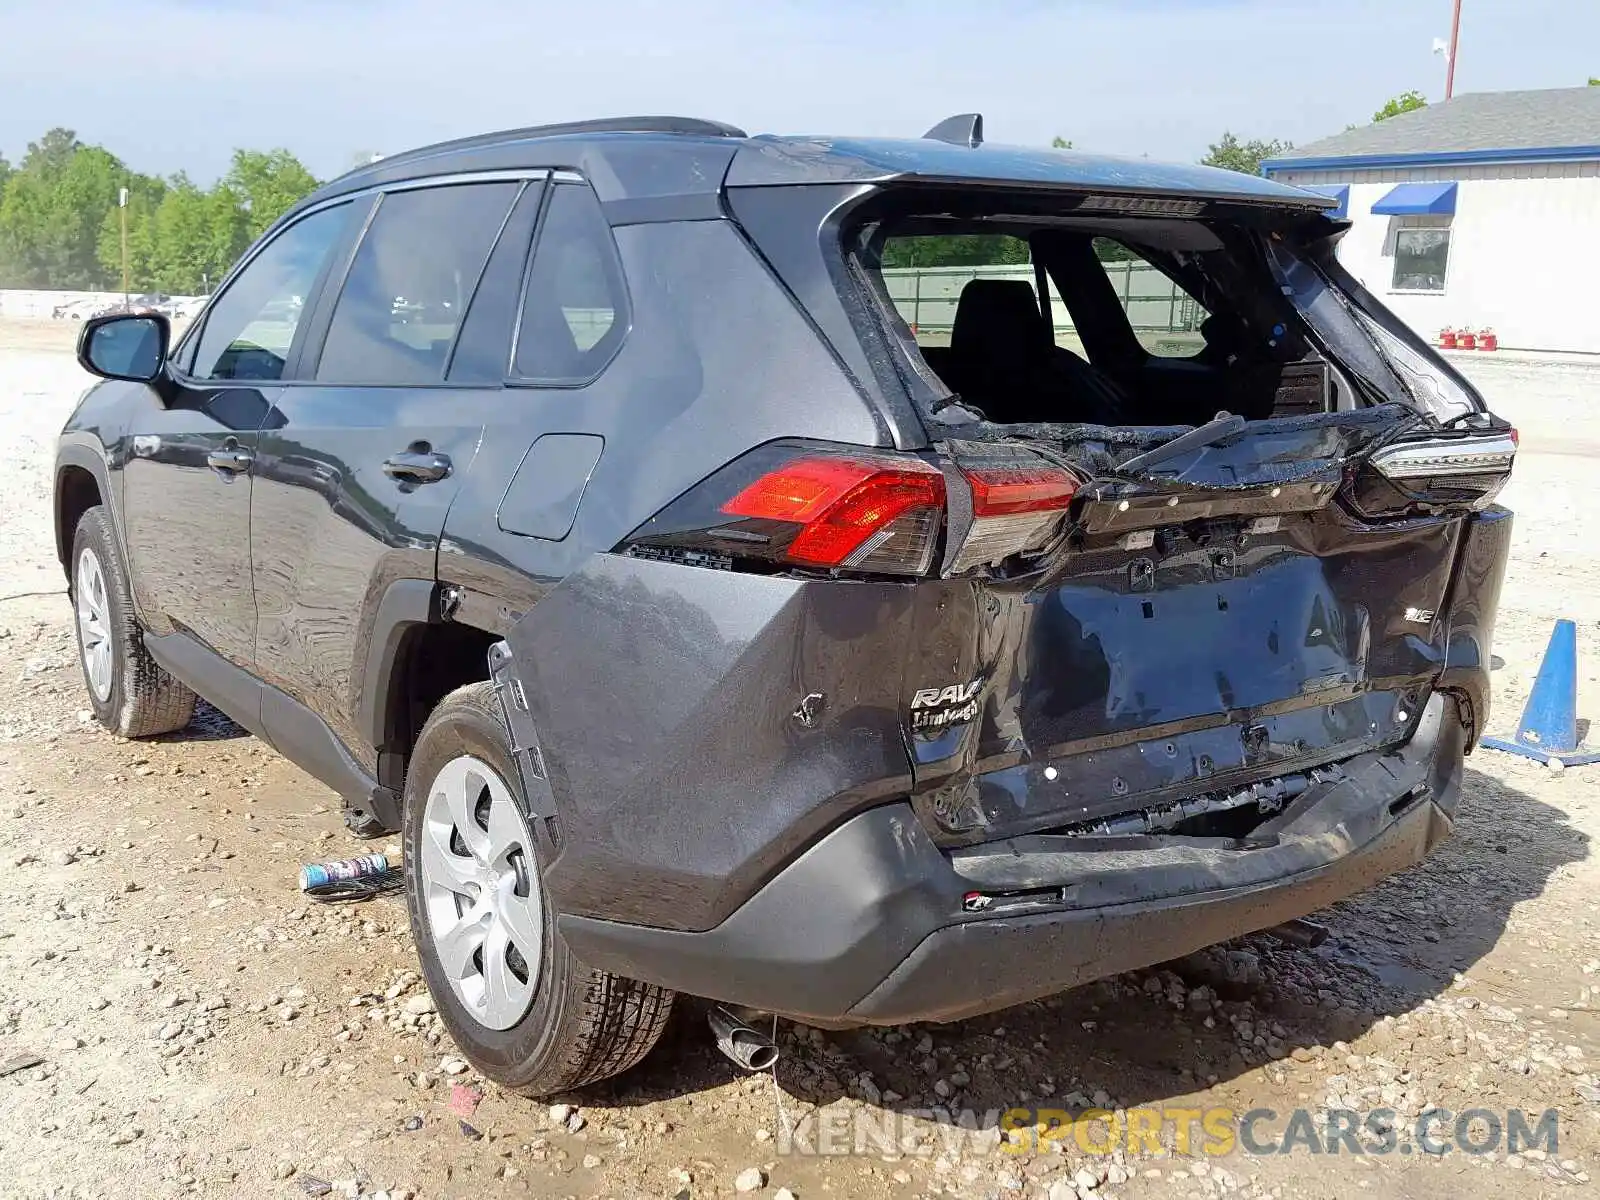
[{"x": 699, "y": 727}]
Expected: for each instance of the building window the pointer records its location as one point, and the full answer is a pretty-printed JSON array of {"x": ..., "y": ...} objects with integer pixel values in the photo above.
[{"x": 1421, "y": 255}]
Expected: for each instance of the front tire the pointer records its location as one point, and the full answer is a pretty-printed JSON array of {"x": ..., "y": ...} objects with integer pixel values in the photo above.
[
  {"x": 129, "y": 691},
  {"x": 522, "y": 1009}
]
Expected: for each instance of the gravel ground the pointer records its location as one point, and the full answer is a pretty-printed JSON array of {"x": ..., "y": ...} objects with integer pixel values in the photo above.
[{"x": 201, "y": 1029}]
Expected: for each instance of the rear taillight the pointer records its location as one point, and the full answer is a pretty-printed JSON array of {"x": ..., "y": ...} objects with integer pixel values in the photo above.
[
  {"x": 813, "y": 506},
  {"x": 867, "y": 513},
  {"x": 805, "y": 505},
  {"x": 1441, "y": 471},
  {"x": 1016, "y": 507}
]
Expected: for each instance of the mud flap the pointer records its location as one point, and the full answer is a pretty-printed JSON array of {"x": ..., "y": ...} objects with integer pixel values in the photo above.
[{"x": 540, "y": 800}]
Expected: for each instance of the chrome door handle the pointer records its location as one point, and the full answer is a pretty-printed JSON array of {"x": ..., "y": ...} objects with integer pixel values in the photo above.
[
  {"x": 415, "y": 466},
  {"x": 232, "y": 461}
]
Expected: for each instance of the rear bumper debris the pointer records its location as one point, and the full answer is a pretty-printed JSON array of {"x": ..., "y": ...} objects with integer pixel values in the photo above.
[{"x": 875, "y": 924}]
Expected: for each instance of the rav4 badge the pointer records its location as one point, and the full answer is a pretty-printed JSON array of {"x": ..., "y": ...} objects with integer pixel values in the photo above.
[
  {"x": 956, "y": 693},
  {"x": 934, "y": 708}
]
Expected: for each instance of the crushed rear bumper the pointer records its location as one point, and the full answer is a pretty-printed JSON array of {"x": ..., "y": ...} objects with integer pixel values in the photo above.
[{"x": 868, "y": 925}]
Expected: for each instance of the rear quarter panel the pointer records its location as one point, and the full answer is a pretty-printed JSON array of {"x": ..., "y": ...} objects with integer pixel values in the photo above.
[
  {"x": 663, "y": 694},
  {"x": 718, "y": 360}
]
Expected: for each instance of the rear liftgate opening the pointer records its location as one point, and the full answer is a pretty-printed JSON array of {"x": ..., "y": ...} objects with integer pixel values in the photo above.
[{"x": 1178, "y": 629}]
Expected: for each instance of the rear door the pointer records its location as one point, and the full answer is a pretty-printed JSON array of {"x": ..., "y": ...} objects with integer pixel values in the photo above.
[
  {"x": 190, "y": 467},
  {"x": 369, "y": 442}
]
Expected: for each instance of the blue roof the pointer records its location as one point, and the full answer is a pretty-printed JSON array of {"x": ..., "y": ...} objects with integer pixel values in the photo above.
[
  {"x": 787, "y": 160},
  {"x": 1418, "y": 199}
]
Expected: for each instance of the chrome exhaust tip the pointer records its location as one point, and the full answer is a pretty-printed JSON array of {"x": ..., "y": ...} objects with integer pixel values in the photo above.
[{"x": 752, "y": 1050}]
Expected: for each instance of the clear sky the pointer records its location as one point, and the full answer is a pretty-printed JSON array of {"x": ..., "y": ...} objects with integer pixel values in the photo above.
[{"x": 170, "y": 84}]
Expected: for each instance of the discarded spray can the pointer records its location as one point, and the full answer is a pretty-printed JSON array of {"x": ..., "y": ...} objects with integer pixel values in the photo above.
[{"x": 344, "y": 870}]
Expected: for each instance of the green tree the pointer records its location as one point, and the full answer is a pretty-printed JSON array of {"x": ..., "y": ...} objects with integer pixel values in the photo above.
[
  {"x": 197, "y": 235},
  {"x": 52, "y": 153},
  {"x": 268, "y": 183},
  {"x": 1594, "y": 81},
  {"x": 180, "y": 238},
  {"x": 1060, "y": 143},
  {"x": 1233, "y": 155},
  {"x": 227, "y": 230},
  {"x": 1403, "y": 103},
  {"x": 61, "y": 226},
  {"x": 54, "y": 208},
  {"x": 1108, "y": 251},
  {"x": 955, "y": 250}
]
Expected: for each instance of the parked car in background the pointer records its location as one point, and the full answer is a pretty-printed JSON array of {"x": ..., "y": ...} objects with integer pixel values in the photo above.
[
  {"x": 703, "y": 632},
  {"x": 78, "y": 310},
  {"x": 181, "y": 308}
]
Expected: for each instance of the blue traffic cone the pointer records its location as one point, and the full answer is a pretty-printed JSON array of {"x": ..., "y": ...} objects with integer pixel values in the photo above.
[{"x": 1548, "y": 731}]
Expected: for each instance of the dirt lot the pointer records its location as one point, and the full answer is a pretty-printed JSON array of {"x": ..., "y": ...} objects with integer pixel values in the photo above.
[{"x": 202, "y": 1029}]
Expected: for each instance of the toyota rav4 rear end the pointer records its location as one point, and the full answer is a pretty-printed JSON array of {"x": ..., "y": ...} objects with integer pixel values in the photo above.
[{"x": 1108, "y": 650}]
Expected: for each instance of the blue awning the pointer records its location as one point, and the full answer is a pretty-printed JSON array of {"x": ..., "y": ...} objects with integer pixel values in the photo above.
[
  {"x": 1339, "y": 192},
  {"x": 1418, "y": 199}
]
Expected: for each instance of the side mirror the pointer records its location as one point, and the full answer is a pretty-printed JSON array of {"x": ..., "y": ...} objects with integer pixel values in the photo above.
[{"x": 129, "y": 346}]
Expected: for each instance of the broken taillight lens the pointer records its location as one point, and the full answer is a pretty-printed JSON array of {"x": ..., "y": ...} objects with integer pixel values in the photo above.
[
  {"x": 1016, "y": 507},
  {"x": 806, "y": 505}
]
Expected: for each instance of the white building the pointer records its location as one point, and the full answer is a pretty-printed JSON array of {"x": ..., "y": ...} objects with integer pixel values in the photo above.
[{"x": 1480, "y": 212}]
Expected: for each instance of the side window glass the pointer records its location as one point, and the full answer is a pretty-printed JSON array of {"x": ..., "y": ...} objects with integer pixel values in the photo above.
[
  {"x": 483, "y": 347},
  {"x": 575, "y": 312},
  {"x": 1165, "y": 319},
  {"x": 410, "y": 282},
  {"x": 251, "y": 326}
]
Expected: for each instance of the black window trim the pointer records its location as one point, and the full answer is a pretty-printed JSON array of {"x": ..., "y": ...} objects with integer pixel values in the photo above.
[
  {"x": 472, "y": 296},
  {"x": 298, "y": 353},
  {"x": 624, "y": 316},
  {"x": 311, "y": 338}
]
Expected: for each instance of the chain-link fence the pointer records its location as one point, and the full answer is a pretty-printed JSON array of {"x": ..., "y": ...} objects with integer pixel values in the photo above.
[{"x": 926, "y": 297}]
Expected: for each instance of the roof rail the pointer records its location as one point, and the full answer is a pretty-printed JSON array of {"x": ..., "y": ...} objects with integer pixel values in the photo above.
[
  {"x": 963, "y": 130},
  {"x": 688, "y": 126},
  {"x": 693, "y": 126}
]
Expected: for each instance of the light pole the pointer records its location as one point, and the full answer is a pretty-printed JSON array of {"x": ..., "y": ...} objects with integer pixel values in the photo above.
[
  {"x": 1450, "y": 59},
  {"x": 122, "y": 209}
]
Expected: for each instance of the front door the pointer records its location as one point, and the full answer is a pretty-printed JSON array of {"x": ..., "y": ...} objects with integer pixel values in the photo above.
[
  {"x": 189, "y": 463},
  {"x": 367, "y": 443}
]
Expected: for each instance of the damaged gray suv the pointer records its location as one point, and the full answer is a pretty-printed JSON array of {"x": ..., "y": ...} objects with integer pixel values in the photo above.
[{"x": 595, "y": 504}]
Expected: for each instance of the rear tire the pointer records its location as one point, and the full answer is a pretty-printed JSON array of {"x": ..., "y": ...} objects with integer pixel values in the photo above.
[
  {"x": 129, "y": 691},
  {"x": 522, "y": 1009}
]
